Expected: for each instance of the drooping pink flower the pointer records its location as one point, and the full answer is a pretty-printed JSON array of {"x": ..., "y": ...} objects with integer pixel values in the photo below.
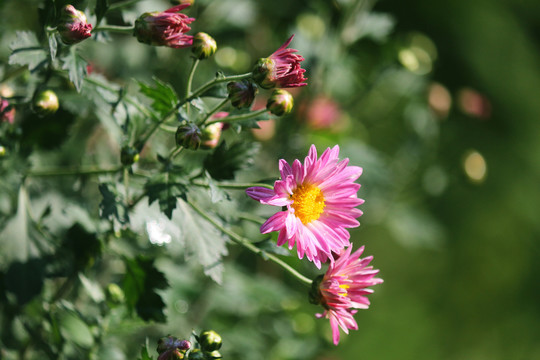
[
  {"x": 165, "y": 28},
  {"x": 344, "y": 289},
  {"x": 281, "y": 69},
  {"x": 7, "y": 113},
  {"x": 319, "y": 199}
]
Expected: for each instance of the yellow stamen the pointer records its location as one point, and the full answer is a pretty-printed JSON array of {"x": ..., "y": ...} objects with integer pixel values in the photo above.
[{"x": 308, "y": 203}]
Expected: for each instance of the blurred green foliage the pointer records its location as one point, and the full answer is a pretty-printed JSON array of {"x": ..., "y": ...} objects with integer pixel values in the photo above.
[{"x": 437, "y": 101}]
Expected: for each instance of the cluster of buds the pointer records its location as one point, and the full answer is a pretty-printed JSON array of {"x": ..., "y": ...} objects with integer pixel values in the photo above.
[
  {"x": 165, "y": 28},
  {"x": 172, "y": 348},
  {"x": 73, "y": 26},
  {"x": 210, "y": 343}
]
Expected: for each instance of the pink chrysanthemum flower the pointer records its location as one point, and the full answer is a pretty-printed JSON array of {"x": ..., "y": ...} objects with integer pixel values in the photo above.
[
  {"x": 281, "y": 69},
  {"x": 319, "y": 202},
  {"x": 343, "y": 289},
  {"x": 165, "y": 28}
]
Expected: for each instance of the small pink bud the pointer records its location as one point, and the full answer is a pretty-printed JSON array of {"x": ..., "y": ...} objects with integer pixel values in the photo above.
[
  {"x": 280, "y": 102},
  {"x": 204, "y": 46},
  {"x": 211, "y": 135},
  {"x": 73, "y": 27},
  {"x": 7, "y": 112},
  {"x": 242, "y": 93},
  {"x": 165, "y": 28}
]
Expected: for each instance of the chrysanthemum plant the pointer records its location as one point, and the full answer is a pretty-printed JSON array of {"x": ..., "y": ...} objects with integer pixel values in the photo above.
[{"x": 168, "y": 169}]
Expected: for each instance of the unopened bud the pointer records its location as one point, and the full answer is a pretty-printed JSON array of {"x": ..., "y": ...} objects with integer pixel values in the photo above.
[
  {"x": 129, "y": 155},
  {"x": 210, "y": 341},
  {"x": 115, "y": 295},
  {"x": 182, "y": 2},
  {"x": 172, "y": 354},
  {"x": 72, "y": 26},
  {"x": 204, "y": 46},
  {"x": 262, "y": 73},
  {"x": 211, "y": 135},
  {"x": 7, "y": 112},
  {"x": 280, "y": 102},
  {"x": 170, "y": 342},
  {"x": 45, "y": 103},
  {"x": 188, "y": 136},
  {"x": 242, "y": 93},
  {"x": 2, "y": 151}
]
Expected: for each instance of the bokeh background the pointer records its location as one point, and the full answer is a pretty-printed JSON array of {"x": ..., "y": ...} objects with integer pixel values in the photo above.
[{"x": 439, "y": 102}]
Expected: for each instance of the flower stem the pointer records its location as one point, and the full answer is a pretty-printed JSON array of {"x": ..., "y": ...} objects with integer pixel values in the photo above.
[
  {"x": 216, "y": 81},
  {"x": 190, "y": 77},
  {"x": 177, "y": 150},
  {"x": 72, "y": 171},
  {"x": 248, "y": 245},
  {"x": 234, "y": 186},
  {"x": 115, "y": 28},
  {"x": 230, "y": 119},
  {"x": 122, "y": 4},
  {"x": 213, "y": 111}
]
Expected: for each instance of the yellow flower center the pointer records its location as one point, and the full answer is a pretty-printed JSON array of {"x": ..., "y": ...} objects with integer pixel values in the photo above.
[
  {"x": 344, "y": 287},
  {"x": 308, "y": 203}
]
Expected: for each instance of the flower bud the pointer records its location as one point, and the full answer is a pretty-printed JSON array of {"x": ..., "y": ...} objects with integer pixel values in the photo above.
[
  {"x": 172, "y": 354},
  {"x": 204, "y": 46},
  {"x": 280, "y": 102},
  {"x": 7, "y": 112},
  {"x": 45, "y": 103},
  {"x": 129, "y": 155},
  {"x": 166, "y": 28},
  {"x": 210, "y": 340},
  {"x": 115, "y": 295},
  {"x": 242, "y": 93},
  {"x": 182, "y": 2},
  {"x": 211, "y": 135},
  {"x": 72, "y": 26},
  {"x": 2, "y": 151},
  {"x": 188, "y": 136}
]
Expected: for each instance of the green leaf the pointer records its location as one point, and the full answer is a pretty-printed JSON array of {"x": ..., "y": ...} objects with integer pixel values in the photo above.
[
  {"x": 76, "y": 67},
  {"x": 101, "y": 9},
  {"x": 112, "y": 206},
  {"x": 224, "y": 161},
  {"x": 163, "y": 95},
  {"x": 216, "y": 193},
  {"x": 26, "y": 50},
  {"x": 166, "y": 188},
  {"x": 141, "y": 281},
  {"x": 80, "y": 246},
  {"x": 217, "y": 91},
  {"x": 203, "y": 241},
  {"x": 144, "y": 353}
]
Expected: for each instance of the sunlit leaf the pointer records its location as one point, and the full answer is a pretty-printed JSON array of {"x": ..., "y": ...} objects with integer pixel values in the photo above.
[
  {"x": 76, "y": 67},
  {"x": 162, "y": 94},
  {"x": 166, "y": 188},
  {"x": 26, "y": 50}
]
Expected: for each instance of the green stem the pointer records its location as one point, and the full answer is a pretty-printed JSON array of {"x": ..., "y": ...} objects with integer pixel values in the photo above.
[
  {"x": 245, "y": 243},
  {"x": 122, "y": 4},
  {"x": 177, "y": 150},
  {"x": 190, "y": 77},
  {"x": 216, "y": 81},
  {"x": 126, "y": 183},
  {"x": 71, "y": 171},
  {"x": 213, "y": 111},
  {"x": 115, "y": 28},
  {"x": 237, "y": 186},
  {"x": 230, "y": 119}
]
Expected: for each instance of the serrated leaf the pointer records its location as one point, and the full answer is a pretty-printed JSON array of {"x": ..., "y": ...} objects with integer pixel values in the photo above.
[
  {"x": 202, "y": 240},
  {"x": 163, "y": 95},
  {"x": 26, "y": 50},
  {"x": 166, "y": 188},
  {"x": 224, "y": 161},
  {"x": 101, "y": 9},
  {"x": 141, "y": 281},
  {"x": 111, "y": 206},
  {"x": 216, "y": 193},
  {"x": 76, "y": 67}
]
